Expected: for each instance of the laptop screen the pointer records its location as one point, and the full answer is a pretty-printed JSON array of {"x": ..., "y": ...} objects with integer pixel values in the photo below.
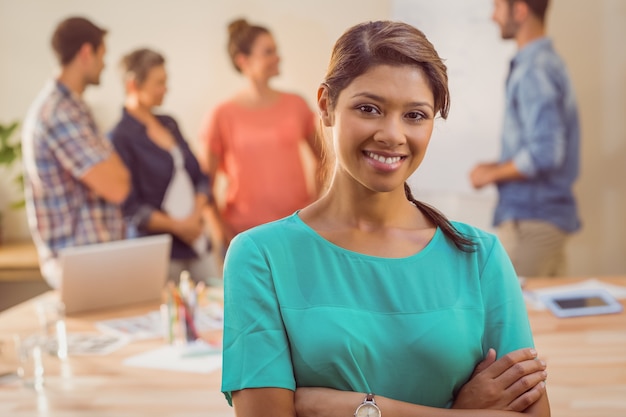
[{"x": 113, "y": 274}]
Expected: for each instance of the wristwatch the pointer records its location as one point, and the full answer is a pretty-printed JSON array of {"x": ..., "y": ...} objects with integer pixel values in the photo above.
[{"x": 368, "y": 408}]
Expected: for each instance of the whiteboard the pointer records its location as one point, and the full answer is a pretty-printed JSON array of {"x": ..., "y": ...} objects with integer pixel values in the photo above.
[{"x": 477, "y": 60}]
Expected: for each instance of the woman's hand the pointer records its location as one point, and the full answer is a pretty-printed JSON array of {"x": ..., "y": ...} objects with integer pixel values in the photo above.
[
  {"x": 188, "y": 229},
  {"x": 514, "y": 382}
]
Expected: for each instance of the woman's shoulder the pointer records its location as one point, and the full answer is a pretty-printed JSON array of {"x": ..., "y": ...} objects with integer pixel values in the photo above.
[
  {"x": 277, "y": 232},
  {"x": 285, "y": 224},
  {"x": 292, "y": 98},
  {"x": 168, "y": 121},
  {"x": 487, "y": 246},
  {"x": 124, "y": 129},
  {"x": 295, "y": 104},
  {"x": 166, "y": 118},
  {"x": 480, "y": 236},
  {"x": 223, "y": 109}
]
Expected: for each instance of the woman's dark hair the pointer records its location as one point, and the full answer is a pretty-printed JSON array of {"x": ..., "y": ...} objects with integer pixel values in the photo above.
[
  {"x": 71, "y": 34},
  {"x": 137, "y": 64},
  {"x": 367, "y": 45},
  {"x": 241, "y": 37}
]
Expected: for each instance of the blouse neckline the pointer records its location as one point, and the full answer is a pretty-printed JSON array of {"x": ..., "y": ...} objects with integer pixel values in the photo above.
[{"x": 433, "y": 242}]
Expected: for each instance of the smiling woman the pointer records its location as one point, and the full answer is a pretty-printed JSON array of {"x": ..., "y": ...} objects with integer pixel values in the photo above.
[
  {"x": 377, "y": 115},
  {"x": 367, "y": 290}
]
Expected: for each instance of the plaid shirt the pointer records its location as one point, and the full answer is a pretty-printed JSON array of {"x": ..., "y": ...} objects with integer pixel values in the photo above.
[{"x": 60, "y": 144}]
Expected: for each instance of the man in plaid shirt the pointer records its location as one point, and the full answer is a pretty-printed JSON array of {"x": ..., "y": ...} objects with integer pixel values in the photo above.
[{"x": 74, "y": 179}]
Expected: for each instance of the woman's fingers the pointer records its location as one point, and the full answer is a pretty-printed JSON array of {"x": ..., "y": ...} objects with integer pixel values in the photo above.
[
  {"x": 528, "y": 398},
  {"x": 522, "y": 376}
]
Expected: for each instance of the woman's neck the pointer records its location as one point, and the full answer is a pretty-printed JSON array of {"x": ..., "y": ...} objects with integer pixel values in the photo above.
[
  {"x": 257, "y": 94},
  {"x": 362, "y": 209},
  {"x": 137, "y": 109},
  {"x": 377, "y": 224}
]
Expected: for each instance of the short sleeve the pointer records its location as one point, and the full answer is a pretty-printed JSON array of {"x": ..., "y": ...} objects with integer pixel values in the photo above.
[
  {"x": 255, "y": 348},
  {"x": 76, "y": 143},
  {"x": 211, "y": 134},
  {"x": 507, "y": 327}
]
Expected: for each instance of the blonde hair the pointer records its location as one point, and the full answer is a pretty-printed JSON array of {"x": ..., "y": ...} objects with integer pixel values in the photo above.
[{"x": 138, "y": 63}]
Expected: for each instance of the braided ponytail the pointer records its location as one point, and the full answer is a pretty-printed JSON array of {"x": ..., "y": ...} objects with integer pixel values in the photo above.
[{"x": 462, "y": 242}]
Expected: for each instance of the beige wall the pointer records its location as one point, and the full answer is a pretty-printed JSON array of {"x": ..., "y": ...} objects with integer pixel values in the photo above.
[
  {"x": 590, "y": 36},
  {"x": 191, "y": 34}
]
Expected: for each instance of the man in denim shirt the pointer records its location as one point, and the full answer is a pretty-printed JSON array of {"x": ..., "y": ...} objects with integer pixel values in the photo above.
[{"x": 539, "y": 159}]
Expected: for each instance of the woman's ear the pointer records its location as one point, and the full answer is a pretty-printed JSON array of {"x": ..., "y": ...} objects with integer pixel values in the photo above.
[
  {"x": 240, "y": 61},
  {"x": 131, "y": 84},
  {"x": 324, "y": 106}
]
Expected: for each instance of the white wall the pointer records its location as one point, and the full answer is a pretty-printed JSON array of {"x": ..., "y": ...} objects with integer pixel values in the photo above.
[{"x": 192, "y": 36}]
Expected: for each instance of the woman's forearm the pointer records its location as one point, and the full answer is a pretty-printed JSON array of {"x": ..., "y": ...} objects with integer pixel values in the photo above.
[
  {"x": 160, "y": 221},
  {"x": 325, "y": 402},
  {"x": 201, "y": 201},
  {"x": 264, "y": 402}
]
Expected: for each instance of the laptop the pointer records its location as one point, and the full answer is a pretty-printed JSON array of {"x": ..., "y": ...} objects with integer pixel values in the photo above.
[{"x": 114, "y": 274}]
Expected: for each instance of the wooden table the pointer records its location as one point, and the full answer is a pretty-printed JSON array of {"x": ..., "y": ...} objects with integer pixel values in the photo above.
[
  {"x": 586, "y": 364},
  {"x": 19, "y": 262},
  {"x": 586, "y": 358},
  {"x": 102, "y": 385}
]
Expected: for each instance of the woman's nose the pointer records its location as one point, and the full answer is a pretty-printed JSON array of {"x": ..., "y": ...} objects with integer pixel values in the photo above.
[{"x": 391, "y": 132}]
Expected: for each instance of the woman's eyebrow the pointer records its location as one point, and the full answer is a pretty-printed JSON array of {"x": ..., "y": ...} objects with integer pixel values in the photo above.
[{"x": 376, "y": 97}]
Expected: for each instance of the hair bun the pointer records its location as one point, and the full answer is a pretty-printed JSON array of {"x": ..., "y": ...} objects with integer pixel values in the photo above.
[{"x": 238, "y": 26}]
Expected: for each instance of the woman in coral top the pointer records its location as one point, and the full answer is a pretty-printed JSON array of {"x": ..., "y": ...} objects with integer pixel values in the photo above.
[{"x": 256, "y": 139}]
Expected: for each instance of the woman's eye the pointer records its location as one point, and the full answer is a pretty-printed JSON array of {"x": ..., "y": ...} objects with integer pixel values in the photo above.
[
  {"x": 415, "y": 115},
  {"x": 368, "y": 109}
]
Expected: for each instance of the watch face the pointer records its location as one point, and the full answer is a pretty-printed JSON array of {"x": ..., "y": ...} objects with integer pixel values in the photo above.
[{"x": 367, "y": 410}]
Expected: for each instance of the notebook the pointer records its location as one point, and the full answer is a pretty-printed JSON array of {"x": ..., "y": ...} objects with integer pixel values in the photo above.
[{"x": 114, "y": 274}]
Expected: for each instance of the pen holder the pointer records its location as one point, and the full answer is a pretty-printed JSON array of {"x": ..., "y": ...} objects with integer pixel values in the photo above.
[
  {"x": 178, "y": 323},
  {"x": 179, "y": 312}
]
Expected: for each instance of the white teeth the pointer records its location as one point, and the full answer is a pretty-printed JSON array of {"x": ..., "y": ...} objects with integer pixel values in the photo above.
[{"x": 384, "y": 160}]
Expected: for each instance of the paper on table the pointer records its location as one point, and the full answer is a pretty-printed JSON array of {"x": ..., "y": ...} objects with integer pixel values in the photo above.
[
  {"x": 198, "y": 357},
  {"x": 533, "y": 301},
  {"x": 146, "y": 326},
  {"x": 150, "y": 325},
  {"x": 94, "y": 343}
]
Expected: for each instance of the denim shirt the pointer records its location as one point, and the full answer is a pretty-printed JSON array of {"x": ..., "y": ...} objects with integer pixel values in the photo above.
[{"x": 541, "y": 135}]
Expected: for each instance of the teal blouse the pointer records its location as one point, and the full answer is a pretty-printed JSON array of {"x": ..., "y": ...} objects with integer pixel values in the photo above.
[{"x": 300, "y": 311}]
